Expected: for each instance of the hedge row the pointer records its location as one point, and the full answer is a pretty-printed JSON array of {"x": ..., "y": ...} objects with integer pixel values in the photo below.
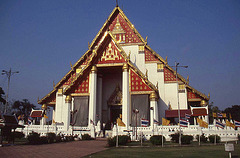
[
  {"x": 122, "y": 140},
  {"x": 35, "y": 138},
  {"x": 187, "y": 139}
]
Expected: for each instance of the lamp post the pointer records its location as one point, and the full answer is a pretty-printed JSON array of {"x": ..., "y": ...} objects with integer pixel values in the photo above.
[
  {"x": 9, "y": 74},
  {"x": 176, "y": 68},
  {"x": 136, "y": 111},
  {"x": 152, "y": 109}
]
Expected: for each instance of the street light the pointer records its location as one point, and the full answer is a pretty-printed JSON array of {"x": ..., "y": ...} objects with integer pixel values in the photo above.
[
  {"x": 136, "y": 111},
  {"x": 9, "y": 74},
  {"x": 176, "y": 67}
]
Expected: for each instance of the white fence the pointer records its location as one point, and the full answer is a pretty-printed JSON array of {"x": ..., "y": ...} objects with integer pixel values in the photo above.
[{"x": 226, "y": 134}]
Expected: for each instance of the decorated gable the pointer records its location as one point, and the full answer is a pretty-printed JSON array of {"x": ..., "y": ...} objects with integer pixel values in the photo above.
[
  {"x": 149, "y": 57},
  {"x": 82, "y": 86},
  {"x": 70, "y": 78},
  {"x": 192, "y": 95},
  {"x": 122, "y": 32},
  {"x": 169, "y": 75},
  {"x": 137, "y": 83},
  {"x": 87, "y": 58},
  {"x": 111, "y": 54}
]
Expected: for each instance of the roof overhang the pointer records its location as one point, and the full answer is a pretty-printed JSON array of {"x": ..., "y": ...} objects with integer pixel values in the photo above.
[{"x": 174, "y": 113}]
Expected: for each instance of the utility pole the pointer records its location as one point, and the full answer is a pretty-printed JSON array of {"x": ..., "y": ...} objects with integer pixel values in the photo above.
[
  {"x": 176, "y": 68},
  {"x": 9, "y": 74}
]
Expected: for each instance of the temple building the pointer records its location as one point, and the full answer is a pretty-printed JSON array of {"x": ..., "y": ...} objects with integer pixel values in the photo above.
[{"x": 119, "y": 74}]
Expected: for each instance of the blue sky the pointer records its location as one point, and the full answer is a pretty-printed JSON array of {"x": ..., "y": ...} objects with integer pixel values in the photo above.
[{"x": 41, "y": 38}]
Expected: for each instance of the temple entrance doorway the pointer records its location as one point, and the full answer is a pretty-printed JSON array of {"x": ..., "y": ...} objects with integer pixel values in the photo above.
[
  {"x": 115, "y": 105},
  {"x": 116, "y": 112}
]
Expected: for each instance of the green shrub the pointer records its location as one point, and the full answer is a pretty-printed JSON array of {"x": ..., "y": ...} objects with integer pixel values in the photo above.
[
  {"x": 111, "y": 142},
  {"x": 51, "y": 137},
  {"x": 86, "y": 137},
  {"x": 58, "y": 138},
  {"x": 43, "y": 140},
  {"x": 157, "y": 140},
  {"x": 175, "y": 137},
  {"x": 212, "y": 138},
  {"x": 34, "y": 138},
  {"x": 122, "y": 140},
  {"x": 186, "y": 139},
  {"x": 19, "y": 135},
  {"x": 202, "y": 138}
]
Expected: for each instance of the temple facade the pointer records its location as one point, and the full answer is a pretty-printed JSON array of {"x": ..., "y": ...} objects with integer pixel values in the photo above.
[{"x": 121, "y": 76}]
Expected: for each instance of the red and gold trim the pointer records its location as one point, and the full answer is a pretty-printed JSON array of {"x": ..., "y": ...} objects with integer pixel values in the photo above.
[
  {"x": 82, "y": 86},
  {"x": 149, "y": 57},
  {"x": 137, "y": 83},
  {"x": 169, "y": 75},
  {"x": 130, "y": 35},
  {"x": 192, "y": 95},
  {"x": 111, "y": 54}
]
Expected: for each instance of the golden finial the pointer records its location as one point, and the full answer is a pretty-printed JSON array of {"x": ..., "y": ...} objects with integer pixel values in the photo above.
[
  {"x": 71, "y": 77},
  {"x": 88, "y": 45},
  {"x": 146, "y": 39},
  {"x": 166, "y": 59},
  {"x": 38, "y": 99},
  {"x": 44, "y": 106},
  {"x": 188, "y": 78},
  {"x": 71, "y": 65},
  {"x": 157, "y": 85},
  {"x": 208, "y": 95},
  {"x": 53, "y": 84},
  {"x": 146, "y": 73},
  {"x": 129, "y": 54},
  {"x": 169, "y": 106}
]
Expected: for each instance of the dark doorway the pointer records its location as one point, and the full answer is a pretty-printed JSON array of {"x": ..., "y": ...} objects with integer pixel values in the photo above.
[{"x": 116, "y": 111}]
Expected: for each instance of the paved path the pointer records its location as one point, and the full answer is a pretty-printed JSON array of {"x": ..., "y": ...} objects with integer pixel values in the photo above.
[{"x": 58, "y": 150}]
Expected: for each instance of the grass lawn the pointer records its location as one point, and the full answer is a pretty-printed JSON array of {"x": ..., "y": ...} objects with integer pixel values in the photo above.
[{"x": 209, "y": 151}]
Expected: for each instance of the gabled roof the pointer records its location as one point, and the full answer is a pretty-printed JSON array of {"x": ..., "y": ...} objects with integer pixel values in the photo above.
[
  {"x": 89, "y": 54},
  {"x": 108, "y": 36}
]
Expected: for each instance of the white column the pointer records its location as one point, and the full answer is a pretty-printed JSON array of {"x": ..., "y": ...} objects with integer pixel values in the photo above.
[
  {"x": 125, "y": 96},
  {"x": 68, "y": 103},
  {"x": 93, "y": 96},
  {"x": 154, "y": 108}
]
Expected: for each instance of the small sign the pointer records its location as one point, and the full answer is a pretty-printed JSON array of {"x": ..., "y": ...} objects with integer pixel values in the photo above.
[{"x": 229, "y": 147}]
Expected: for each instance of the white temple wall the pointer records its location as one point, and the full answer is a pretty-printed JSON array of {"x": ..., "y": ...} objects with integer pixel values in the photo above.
[
  {"x": 136, "y": 57},
  {"x": 183, "y": 100},
  {"x": 155, "y": 77},
  {"x": 171, "y": 95}
]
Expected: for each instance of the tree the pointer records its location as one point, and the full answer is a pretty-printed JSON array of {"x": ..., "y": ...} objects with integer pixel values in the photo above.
[
  {"x": 23, "y": 107},
  {"x": 234, "y": 111},
  {"x": 212, "y": 109},
  {"x": 2, "y": 100}
]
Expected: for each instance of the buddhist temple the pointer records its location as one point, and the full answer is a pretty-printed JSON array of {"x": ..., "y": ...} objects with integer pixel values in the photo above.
[{"x": 121, "y": 76}]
